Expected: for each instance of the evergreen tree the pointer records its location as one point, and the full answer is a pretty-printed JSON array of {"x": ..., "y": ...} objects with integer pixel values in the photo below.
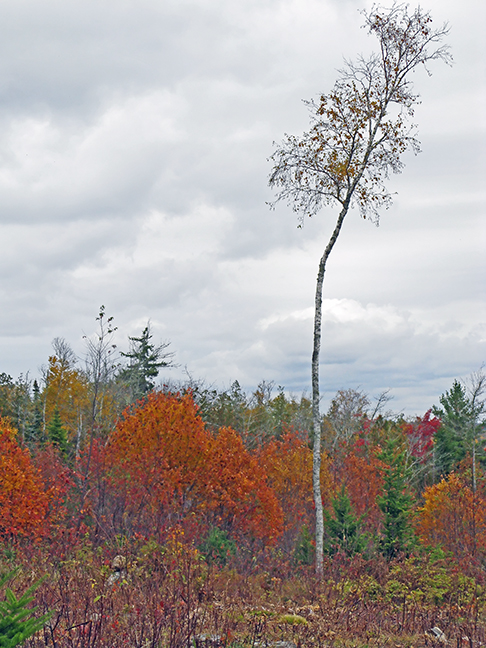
[
  {"x": 452, "y": 439},
  {"x": 16, "y": 621},
  {"x": 396, "y": 501},
  {"x": 56, "y": 434},
  {"x": 344, "y": 529},
  {"x": 218, "y": 547},
  {"x": 145, "y": 361},
  {"x": 35, "y": 430},
  {"x": 304, "y": 549},
  {"x": 6, "y": 391}
]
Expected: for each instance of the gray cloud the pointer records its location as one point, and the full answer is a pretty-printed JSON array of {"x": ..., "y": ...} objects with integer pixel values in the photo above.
[{"x": 133, "y": 171}]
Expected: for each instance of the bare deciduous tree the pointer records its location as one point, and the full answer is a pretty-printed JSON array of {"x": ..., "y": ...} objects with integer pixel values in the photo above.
[
  {"x": 476, "y": 390},
  {"x": 346, "y": 413},
  {"x": 100, "y": 369}
]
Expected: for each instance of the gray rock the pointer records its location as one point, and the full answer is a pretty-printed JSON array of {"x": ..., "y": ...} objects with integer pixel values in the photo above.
[
  {"x": 208, "y": 641},
  {"x": 436, "y": 634}
]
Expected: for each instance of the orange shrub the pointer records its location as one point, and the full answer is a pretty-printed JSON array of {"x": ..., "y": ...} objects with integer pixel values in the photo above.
[
  {"x": 453, "y": 517},
  {"x": 235, "y": 487},
  {"x": 164, "y": 466},
  {"x": 287, "y": 463},
  {"x": 23, "y": 500}
]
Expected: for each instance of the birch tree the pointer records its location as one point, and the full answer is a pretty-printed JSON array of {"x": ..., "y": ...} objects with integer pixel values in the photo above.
[{"x": 358, "y": 134}]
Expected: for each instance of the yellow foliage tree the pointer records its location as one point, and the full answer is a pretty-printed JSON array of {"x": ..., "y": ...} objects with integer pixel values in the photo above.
[
  {"x": 67, "y": 390},
  {"x": 453, "y": 517}
]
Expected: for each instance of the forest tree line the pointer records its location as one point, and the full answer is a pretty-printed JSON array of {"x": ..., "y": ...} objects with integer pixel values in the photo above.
[{"x": 101, "y": 450}]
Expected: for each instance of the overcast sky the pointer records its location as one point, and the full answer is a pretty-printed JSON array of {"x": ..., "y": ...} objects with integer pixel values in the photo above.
[{"x": 134, "y": 138}]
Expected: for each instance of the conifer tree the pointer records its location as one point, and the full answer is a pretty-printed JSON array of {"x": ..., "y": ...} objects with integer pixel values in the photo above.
[
  {"x": 343, "y": 530},
  {"x": 145, "y": 361},
  {"x": 17, "y": 622},
  {"x": 304, "y": 549},
  {"x": 56, "y": 434},
  {"x": 35, "y": 433},
  {"x": 453, "y": 438},
  {"x": 396, "y": 501}
]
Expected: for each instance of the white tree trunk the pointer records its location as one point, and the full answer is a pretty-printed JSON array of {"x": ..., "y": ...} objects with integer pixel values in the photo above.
[{"x": 316, "y": 416}]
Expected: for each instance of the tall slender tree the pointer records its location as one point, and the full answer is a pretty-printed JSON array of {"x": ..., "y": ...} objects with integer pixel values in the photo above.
[
  {"x": 36, "y": 428},
  {"x": 100, "y": 371},
  {"x": 358, "y": 134}
]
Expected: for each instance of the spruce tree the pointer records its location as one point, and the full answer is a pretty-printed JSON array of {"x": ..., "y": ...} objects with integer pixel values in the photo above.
[
  {"x": 35, "y": 430},
  {"x": 344, "y": 529},
  {"x": 396, "y": 501},
  {"x": 145, "y": 361},
  {"x": 452, "y": 439},
  {"x": 56, "y": 434},
  {"x": 17, "y": 622}
]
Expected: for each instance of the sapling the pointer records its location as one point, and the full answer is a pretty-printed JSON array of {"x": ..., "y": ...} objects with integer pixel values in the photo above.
[{"x": 17, "y": 620}]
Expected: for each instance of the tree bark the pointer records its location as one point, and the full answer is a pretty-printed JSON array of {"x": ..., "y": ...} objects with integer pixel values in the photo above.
[{"x": 316, "y": 416}]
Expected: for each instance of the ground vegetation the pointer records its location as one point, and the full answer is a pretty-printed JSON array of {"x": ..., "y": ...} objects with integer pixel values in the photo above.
[{"x": 185, "y": 517}]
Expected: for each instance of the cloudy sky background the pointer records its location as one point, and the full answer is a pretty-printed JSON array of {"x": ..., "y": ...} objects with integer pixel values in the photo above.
[{"x": 134, "y": 138}]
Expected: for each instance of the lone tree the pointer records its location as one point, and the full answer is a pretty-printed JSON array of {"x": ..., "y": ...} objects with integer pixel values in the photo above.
[
  {"x": 145, "y": 361},
  {"x": 358, "y": 134}
]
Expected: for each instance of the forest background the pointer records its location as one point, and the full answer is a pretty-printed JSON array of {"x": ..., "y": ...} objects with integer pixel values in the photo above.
[{"x": 179, "y": 514}]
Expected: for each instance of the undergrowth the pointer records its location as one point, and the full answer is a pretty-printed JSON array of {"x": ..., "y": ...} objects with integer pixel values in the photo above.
[{"x": 147, "y": 594}]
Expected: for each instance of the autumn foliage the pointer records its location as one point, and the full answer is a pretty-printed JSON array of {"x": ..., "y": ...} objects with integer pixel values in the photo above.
[
  {"x": 156, "y": 452},
  {"x": 420, "y": 435},
  {"x": 363, "y": 478},
  {"x": 174, "y": 497},
  {"x": 287, "y": 462},
  {"x": 235, "y": 489},
  {"x": 162, "y": 469},
  {"x": 24, "y": 502},
  {"x": 67, "y": 391},
  {"x": 453, "y": 517},
  {"x": 165, "y": 466}
]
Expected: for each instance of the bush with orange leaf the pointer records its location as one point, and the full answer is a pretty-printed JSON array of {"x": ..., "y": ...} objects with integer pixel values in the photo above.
[
  {"x": 287, "y": 462},
  {"x": 58, "y": 482},
  {"x": 234, "y": 488},
  {"x": 453, "y": 517},
  {"x": 164, "y": 466},
  {"x": 23, "y": 500}
]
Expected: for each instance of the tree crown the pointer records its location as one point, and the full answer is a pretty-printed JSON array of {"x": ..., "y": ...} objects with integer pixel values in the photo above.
[{"x": 362, "y": 127}]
